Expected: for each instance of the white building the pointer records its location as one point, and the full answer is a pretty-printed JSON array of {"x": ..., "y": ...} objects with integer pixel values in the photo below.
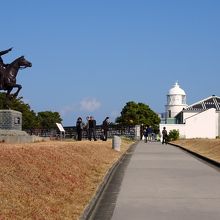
[
  {"x": 199, "y": 120},
  {"x": 176, "y": 101}
]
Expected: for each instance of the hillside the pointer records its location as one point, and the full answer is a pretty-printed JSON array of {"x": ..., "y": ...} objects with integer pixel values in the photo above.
[
  {"x": 52, "y": 180},
  {"x": 206, "y": 147}
]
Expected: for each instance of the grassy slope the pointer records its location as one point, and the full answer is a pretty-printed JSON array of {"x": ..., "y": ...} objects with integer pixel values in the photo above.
[
  {"x": 52, "y": 180},
  {"x": 205, "y": 147}
]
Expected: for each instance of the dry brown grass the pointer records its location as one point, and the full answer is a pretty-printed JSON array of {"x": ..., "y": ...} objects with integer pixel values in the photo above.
[
  {"x": 206, "y": 147},
  {"x": 52, "y": 180}
]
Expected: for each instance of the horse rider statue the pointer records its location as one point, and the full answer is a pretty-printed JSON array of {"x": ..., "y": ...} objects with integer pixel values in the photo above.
[{"x": 3, "y": 65}]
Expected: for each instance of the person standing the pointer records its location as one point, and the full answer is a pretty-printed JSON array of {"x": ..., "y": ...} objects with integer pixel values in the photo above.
[
  {"x": 105, "y": 124},
  {"x": 150, "y": 131},
  {"x": 146, "y": 133},
  {"x": 3, "y": 65},
  {"x": 164, "y": 136},
  {"x": 87, "y": 126},
  {"x": 79, "y": 128},
  {"x": 92, "y": 129}
]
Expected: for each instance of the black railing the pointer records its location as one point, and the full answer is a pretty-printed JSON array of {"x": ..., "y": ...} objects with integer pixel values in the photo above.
[
  {"x": 127, "y": 131},
  {"x": 70, "y": 132}
]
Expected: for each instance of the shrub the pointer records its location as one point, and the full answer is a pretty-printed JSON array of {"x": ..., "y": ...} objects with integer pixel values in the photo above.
[{"x": 173, "y": 135}]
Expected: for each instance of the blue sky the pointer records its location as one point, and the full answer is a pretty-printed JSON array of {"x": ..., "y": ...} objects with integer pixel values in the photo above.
[{"x": 91, "y": 57}]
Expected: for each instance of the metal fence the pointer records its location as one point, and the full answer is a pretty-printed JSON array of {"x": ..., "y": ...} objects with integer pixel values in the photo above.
[
  {"x": 126, "y": 131},
  {"x": 70, "y": 132}
]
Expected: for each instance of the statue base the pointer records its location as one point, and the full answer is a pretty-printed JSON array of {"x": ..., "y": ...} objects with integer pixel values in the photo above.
[
  {"x": 11, "y": 128},
  {"x": 10, "y": 120},
  {"x": 18, "y": 137}
]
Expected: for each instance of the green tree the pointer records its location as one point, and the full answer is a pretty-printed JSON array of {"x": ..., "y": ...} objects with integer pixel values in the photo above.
[
  {"x": 137, "y": 114},
  {"x": 31, "y": 120},
  {"x": 48, "y": 119}
]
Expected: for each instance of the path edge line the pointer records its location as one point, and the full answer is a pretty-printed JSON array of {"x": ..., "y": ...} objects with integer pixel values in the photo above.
[
  {"x": 208, "y": 160},
  {"x": 93, "y": 201}
]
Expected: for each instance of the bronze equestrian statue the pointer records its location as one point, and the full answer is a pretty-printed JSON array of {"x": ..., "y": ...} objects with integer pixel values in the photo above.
[
  {"x": 2, "y": 65},
  {"x": 8, "y": 73}
]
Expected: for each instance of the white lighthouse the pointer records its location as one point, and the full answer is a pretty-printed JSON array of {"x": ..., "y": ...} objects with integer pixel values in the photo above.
[
  {"x": 199, "y": 120},
  {"x": 176, "y": 101}
]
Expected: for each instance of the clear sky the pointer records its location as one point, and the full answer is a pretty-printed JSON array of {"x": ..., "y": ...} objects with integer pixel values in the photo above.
[{"x": 90, "y": 57}]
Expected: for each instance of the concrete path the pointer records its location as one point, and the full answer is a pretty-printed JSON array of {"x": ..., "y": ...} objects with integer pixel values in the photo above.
[{"x": 162, "y": 182}]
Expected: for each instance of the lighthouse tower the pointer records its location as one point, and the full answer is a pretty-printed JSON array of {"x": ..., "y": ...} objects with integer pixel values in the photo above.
[{"x": 176, "y": 101}]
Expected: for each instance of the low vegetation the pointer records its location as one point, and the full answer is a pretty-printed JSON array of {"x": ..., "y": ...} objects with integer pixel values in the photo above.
[
  {"x": 173, "y": 135},
  {"x": 52, "y": 180},
  {"x": 209, "y": 148}
]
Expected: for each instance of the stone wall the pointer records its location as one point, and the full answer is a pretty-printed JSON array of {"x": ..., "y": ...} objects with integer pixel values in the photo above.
[{"x": 11, "y": 120}]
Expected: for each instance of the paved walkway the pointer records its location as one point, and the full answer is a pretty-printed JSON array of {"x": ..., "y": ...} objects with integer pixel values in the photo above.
[{"x": 162, "y": 182}]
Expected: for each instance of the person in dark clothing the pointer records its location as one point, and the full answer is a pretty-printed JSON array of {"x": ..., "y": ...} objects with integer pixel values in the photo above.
[
  {"x": 105, "y": 124},
  {"x": 92, "y": 129},
  {"x": 164, "y": 136},
  {"x": 87, "y": 126},
  {"x": 79, "y": 128},
  {"x": 3, "y": 65},
  {"x": 150, "y": 131},
  {"x": 147, "y": 133}
]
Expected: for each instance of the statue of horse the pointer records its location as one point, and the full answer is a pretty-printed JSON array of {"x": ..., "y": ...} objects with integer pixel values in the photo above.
[{"x": 8, "y": 75}]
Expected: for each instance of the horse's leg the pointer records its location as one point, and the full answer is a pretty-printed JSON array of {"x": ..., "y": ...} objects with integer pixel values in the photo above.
[
  {"x": 19, "y": 88},
  {"x": 7, "y": 100},
  {"x": 9, "y": 91}
]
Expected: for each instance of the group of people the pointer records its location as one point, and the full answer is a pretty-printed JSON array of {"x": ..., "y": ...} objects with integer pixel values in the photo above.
[
  {"x": 149, "y": 135},
  {"x": 90, "y": 128}
]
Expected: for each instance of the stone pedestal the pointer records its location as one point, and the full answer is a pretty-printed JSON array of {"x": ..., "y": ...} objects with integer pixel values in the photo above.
[
  {"x": 11, "y": 128},
  {"x": 10, "y": 120}
]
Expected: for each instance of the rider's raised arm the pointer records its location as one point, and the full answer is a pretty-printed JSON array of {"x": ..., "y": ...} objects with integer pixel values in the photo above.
[{"x": 5, "y": 51}]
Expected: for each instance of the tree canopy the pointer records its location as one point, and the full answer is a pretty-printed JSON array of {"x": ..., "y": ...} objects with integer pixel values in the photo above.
[
  {"x": 48, "y": 119},
  {"x": 30, "y": 119},
  {"x": 137, "y": 114}
]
